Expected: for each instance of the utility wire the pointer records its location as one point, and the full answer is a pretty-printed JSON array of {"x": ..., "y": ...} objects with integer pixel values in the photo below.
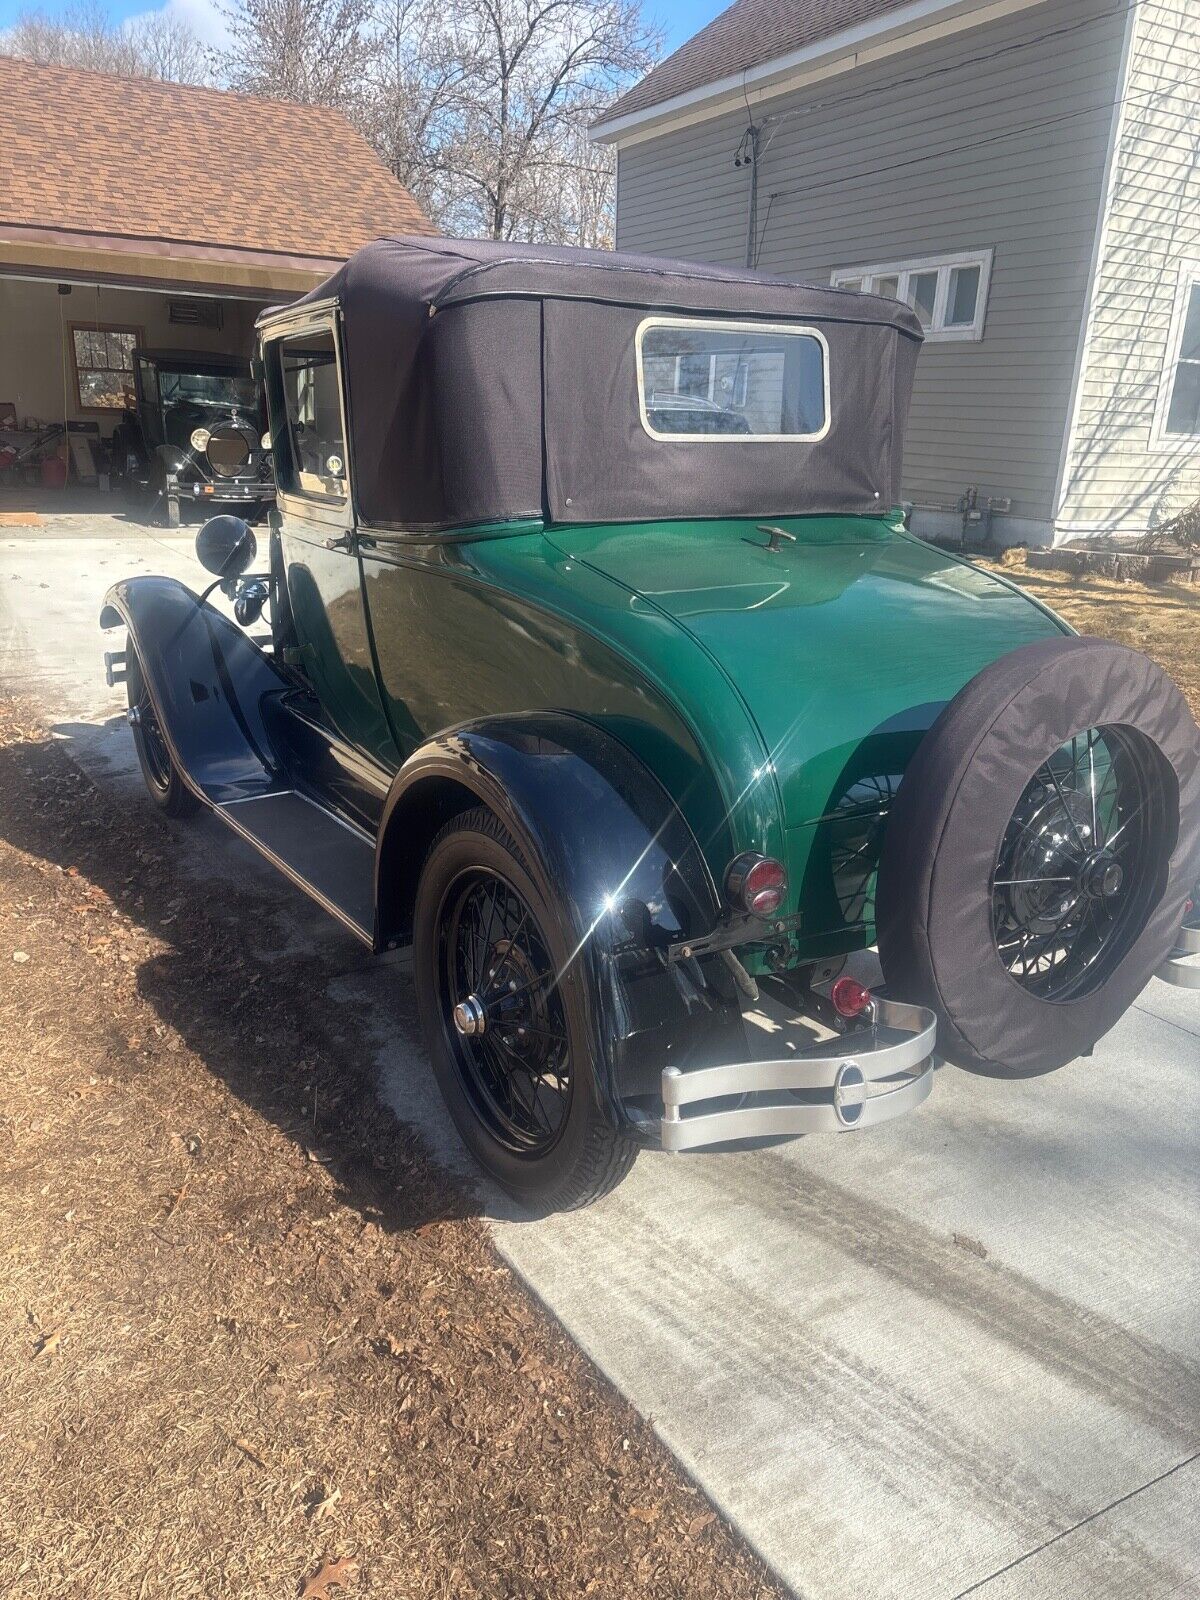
[
  {"x": 970, "y": 144},
  {"x": 950, "y": 67}
]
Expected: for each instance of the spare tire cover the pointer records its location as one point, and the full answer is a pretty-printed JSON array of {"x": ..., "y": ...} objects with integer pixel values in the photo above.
[{"x": 949, "y": 817}]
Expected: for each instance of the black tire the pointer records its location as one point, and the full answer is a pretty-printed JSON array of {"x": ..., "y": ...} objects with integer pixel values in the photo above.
[
  {"x": 164, "y": 783},
  {"x": 587, "y": 1155},
  {"x": 947, "y": 901}
]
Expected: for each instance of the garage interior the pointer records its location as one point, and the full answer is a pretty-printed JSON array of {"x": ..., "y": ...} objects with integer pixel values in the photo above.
[{"x": 66, "y": 375}]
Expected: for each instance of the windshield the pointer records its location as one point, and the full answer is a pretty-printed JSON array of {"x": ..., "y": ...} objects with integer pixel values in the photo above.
[
  {"x": 223, "y": 389},
  {"x": 731, "y": 380}
]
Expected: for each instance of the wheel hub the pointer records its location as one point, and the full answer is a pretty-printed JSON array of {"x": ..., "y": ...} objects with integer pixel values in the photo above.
[
  {"x": 470, "y": 1017},
  {"x": 1100, "y": 877}
]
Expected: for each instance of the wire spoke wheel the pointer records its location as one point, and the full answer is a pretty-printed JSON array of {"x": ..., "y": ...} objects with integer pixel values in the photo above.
[
  {"x": 504, "y": 1013},
  {"x": 1070, "y": 885},
  {"x": 157, "y": 759}
]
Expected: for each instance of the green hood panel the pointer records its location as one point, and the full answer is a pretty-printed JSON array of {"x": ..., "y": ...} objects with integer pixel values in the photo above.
[{"x": 842, "y": 646}]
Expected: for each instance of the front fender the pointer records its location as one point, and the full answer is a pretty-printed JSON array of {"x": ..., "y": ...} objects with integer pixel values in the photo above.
[
  {"x": 211, "y": 687},
  {"x": 606, "y": 841}
]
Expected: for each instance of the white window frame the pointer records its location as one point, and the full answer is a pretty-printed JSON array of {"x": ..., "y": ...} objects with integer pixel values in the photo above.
[
  {"x": 725, "y": 326},
  {"x": 1160, "y": 440},
  {"x": 936, "y": 332}
]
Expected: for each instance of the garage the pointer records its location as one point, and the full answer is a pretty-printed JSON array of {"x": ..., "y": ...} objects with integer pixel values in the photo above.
[{"x": 135, "y": 256}]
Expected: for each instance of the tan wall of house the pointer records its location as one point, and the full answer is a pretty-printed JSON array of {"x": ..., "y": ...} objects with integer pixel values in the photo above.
[{"x": 36, "y": 372}]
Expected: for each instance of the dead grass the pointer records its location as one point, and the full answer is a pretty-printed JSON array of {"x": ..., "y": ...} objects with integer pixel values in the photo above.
[
  {"x": 1160, "y": 620},
  {"x": 248, "y": 1327}
]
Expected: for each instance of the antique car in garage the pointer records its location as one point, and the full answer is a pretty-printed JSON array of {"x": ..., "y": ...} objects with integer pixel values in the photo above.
[
  {"x": 603, "y": 673},
  {"x": 196, "y": 437}
]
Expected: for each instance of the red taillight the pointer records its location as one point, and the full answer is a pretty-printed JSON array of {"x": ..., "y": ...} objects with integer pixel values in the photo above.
[
  {"x": 850, "y": 998},
  {"x": 756, "y": 884}
]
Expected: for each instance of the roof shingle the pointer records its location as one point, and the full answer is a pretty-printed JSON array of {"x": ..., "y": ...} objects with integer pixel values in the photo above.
[
  {"x": 164, "y": 161},
  {"x": 746, "y": 35}
]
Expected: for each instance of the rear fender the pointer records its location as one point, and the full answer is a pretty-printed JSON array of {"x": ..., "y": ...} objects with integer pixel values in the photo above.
[
  {"x": 603, "y": 838},
  {"x": 212, "y": 689}
]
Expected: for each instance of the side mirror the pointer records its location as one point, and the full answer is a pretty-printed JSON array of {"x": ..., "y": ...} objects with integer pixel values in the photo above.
[{"x": 226, "y": 546}]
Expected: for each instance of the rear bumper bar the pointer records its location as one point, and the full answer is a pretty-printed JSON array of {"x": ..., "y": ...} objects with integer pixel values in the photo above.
[
  {"x": 856, "y": 1081},
  {"x": 1177, "y": 969}
]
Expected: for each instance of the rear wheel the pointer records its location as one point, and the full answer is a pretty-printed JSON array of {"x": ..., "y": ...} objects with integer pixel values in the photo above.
[
  {"x": 503, "y": 1011},
  {"x": 163, "y": 779}
]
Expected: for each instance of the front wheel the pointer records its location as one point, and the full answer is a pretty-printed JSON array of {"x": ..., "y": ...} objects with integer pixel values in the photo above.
[
  {"x": 502, "y": 1008},
  {"x": 163, "y": 778}
]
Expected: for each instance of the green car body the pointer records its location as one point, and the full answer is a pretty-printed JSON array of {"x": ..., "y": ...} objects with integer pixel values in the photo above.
[{"x": 777, "y": 695}]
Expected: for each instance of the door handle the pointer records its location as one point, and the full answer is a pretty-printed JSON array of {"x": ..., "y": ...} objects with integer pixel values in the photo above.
[{"x": 344, "y": 541}]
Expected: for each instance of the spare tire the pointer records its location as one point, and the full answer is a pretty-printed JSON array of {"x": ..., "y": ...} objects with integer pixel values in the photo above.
[{"x": 1039, "y": 853}]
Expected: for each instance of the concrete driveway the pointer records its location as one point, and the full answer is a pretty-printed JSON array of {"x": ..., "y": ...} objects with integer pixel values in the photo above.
[{"x": 957, "y": 1355}]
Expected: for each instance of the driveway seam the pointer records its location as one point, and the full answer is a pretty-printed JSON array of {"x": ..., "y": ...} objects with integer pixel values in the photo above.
[
  {"x": 1192, "y": 1033},
  {"x": 1121, "y": 1499}
]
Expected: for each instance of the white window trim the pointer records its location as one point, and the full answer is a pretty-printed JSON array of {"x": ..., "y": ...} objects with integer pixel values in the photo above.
[
  {"x": 739, "y": 326},
  {"x": 942, "y": 265},
  {"x": 1162, "y": 442}
]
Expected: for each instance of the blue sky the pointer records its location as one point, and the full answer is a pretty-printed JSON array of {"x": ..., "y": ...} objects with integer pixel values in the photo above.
[{"x": 680, "y": 18}]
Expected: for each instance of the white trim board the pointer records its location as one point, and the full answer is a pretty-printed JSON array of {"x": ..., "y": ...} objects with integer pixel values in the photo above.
[
  {"x": 1108, "y": 189},
  {"x": 920, "y": 23}
]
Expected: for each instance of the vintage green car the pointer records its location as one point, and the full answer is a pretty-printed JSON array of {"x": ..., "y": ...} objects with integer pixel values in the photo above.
[{"x": 604, "y": 673}]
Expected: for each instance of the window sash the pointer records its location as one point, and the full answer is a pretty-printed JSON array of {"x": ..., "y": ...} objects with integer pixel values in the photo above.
[
  {"x": 99, "y": 350},
  {"x": 1179, "y": 354},
  {"x": 938, "y": 328}
]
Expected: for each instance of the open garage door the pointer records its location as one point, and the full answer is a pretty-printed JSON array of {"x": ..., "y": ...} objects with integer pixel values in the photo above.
[{"x": 104, "y": 387}]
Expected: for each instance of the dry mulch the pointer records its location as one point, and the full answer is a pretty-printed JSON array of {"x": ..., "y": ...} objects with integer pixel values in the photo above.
[
  {"x": 1161, "y": 620},
  {"x": 254, "y": 1342}
]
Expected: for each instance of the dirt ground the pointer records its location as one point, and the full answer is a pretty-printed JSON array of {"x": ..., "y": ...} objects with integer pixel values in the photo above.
[
  {"x": 1161, "y": 620},
  {"x": 252, "y": 1342}
]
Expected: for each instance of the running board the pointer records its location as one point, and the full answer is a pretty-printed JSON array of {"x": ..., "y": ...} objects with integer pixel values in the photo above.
[
  {"x": 326, "y": 857},
  {"x": 1181, "y": 967}
]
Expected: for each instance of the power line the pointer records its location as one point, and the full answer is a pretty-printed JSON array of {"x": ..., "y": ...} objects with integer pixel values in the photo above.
[
  {"x": 955, "y": 149},
  {"x": 951, "y": 67}
]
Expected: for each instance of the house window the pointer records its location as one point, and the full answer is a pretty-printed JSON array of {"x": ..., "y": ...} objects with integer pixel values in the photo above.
[
  {"x": 948, "y": 293},
  {"x": 104, "y": 366},
  {"x": 1178, "y": 414}
]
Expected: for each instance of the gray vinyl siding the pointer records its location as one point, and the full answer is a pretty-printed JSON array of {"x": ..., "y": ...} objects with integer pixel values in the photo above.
[
  {"x": 1117, "y": 480},
  {"x": 968, "y": 171}
]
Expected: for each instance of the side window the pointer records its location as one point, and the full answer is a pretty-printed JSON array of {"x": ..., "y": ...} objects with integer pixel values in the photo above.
[{"x": 312, "y": 403}]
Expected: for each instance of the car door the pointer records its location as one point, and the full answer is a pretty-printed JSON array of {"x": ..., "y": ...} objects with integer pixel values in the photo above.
[{"x": 315, "y": 521}]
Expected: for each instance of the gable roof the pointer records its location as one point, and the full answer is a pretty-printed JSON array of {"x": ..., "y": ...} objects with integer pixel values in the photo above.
[
  {"x": 748, "y": 35},
  {"x": 87, "y": 153}
]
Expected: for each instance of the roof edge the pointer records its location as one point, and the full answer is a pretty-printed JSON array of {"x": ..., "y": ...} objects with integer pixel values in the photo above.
[{"x": 919, "y": 22}]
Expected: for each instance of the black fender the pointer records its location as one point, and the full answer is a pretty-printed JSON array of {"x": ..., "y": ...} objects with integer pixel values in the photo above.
[
  {"x": 605, "y": 839},
  {"x": 213, "y": 690}
]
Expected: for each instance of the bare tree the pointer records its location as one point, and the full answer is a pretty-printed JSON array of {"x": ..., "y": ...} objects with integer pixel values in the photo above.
[
  {"x": 482, "y": 109},
  {"x": 81, "y": 36},
  {"x": 313, "y": 51},
  {"x": 167, "y": 48},
  {"x": 158, "y": 45},
  {"x": 415, "y": 94},
  {"x": 538, "y": 72}
]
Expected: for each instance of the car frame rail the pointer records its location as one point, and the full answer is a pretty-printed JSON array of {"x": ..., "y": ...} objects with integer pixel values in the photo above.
[{"x": 852, "y": 1081}]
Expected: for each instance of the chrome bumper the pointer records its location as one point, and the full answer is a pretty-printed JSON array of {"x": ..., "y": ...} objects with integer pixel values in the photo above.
[
  {"x": 1177, "y": 969},
  {"x": 856, "y": 1081}
]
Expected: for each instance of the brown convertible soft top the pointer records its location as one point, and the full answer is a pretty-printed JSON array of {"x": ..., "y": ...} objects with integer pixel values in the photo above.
[{"x": 489, "y": 381}]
